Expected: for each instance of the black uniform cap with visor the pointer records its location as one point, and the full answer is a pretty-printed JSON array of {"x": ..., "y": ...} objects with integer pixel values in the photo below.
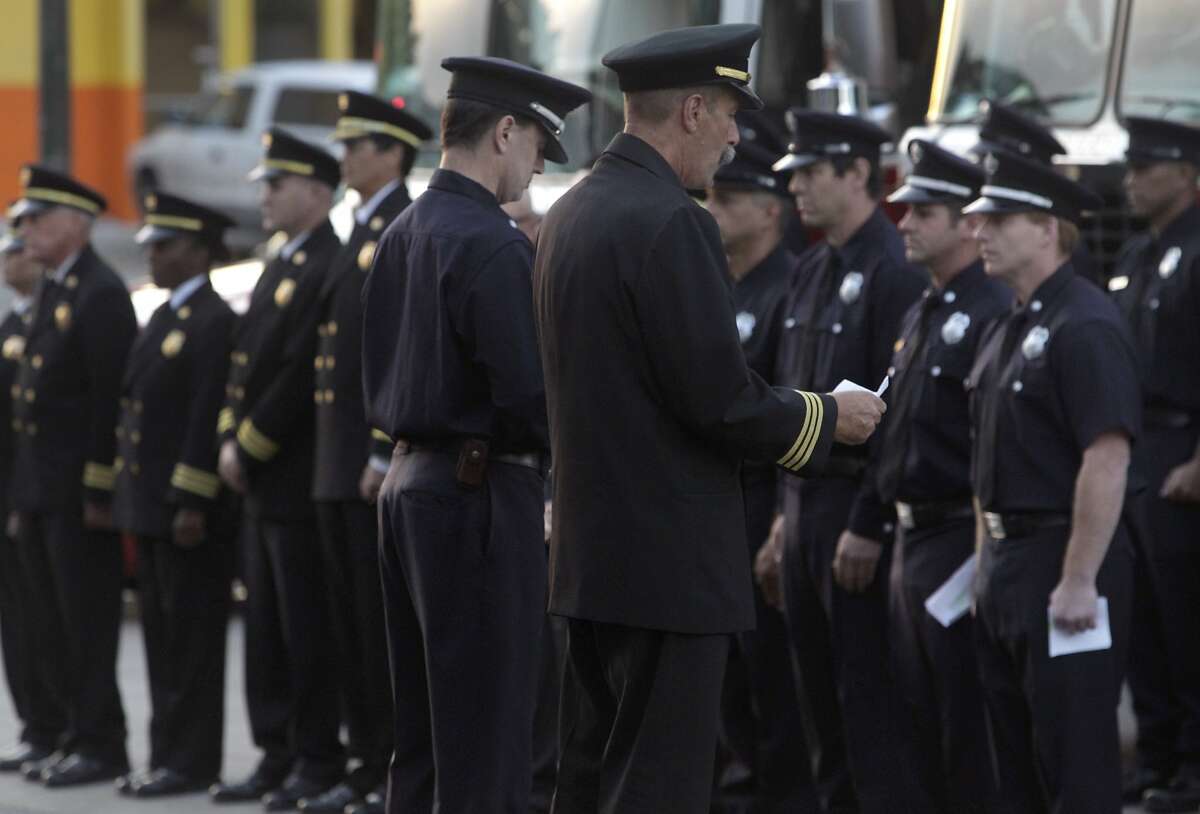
[
  {"x": 757, "y": 150},
  {"x": 43, "y": 188},
  {"x": 821, "y": 136},
  {"x": 288, "y": 155},
  {"x": 1015, "y": 184},
  {"x": 938, "y": 176},
  {"x": 1004, "y": 128},
  {"x": 689, "y": 57},
  {"x": 168, "y": 216},
  {"x": 362, "y": 114},
  {"x": 520, "y": 90},
  {"x": 1153, "y": 141}
]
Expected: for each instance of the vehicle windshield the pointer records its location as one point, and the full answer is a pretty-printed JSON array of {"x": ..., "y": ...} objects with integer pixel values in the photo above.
[
  {"x": 565, "y": 38},
  {"x": 227, "y": 108},
  {"x": 1049, "y": 59},
  {"x": 1162, "y": 58}
]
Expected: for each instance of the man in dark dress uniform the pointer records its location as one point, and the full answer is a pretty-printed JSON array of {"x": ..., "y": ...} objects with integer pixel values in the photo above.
[
  {"x": 840, "y": 322},
  {"x": 266, "y": 454},
  {"x": 652, "y": 410},
  {"x": 381, "y": 143},
  {"x": 1054, "y": 408},
  {"x": 169, "y": 498},
  {"x": 450, "y": 367},
  {"x": 1005, "y": 128},
  {"x": 1157, "y": 287},
  {"x": 923, "y": 468},
  {"x": 761, "y": 725},
  {"x": 42, "y": 717},
  {"x": 64, "y": 411}
]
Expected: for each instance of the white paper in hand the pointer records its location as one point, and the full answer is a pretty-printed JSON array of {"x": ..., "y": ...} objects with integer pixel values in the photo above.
[
  {"x": 847, "y": 386},
  {"x": 952, "y": 600},
  {"x": 1098, "y": 638}
]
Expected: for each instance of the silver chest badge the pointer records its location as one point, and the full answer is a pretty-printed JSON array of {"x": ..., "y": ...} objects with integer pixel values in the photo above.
[
  {"x": 851, "y": 287},
  {"x": 745, "y": 325},
  {"x": 1169, "y": 262},
  {"x": 1035, "y": 342},
  {"x": 955, "y": 328}
]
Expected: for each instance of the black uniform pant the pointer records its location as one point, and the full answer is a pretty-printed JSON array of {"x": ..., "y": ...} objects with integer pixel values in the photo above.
[
  {"x": 291, "y": 688},
  {"x": 1169, "y": 533},
  {"x": 546, "y": 712},
  {"x": 464, "y": 579},
  {"x": 761, "y": 722},
  {"x": 185, "y": 608},
  {"x": 350, "y": 550},
  {"x": 641, "y": 732},
  {"x": 840, "y": 644},
  {"x": 938, "y": 676},
  {"x": 1052, "y": 721},
  {"x": 73, "y": 577}
]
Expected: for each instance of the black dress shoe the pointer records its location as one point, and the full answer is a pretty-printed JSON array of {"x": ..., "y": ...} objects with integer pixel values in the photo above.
[
  {"x": 79, "y": 770},
  {"x": 333, "y": 801},
  {"x": 32, "y": 770},
  {"x": 1136, "y": 783},
  {"x": 373, "y": 803},
  {"x": 252, "y": 788},
  {"x": 293, "y": 790},
  {"x": 22, "y": 753},
  {"x": 165, "y": 783},
  {"x": 1182, "y": 795}
]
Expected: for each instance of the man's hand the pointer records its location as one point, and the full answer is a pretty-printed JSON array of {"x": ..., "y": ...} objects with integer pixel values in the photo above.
[
  {"x": 1183, "y": 483},
  {"x": 13, "y": 527},
  {"x": 97, "y": 516},
  {"x": 370, "y": 483},
  {"x": 855, "y": 562},
  {"x": 858, "y": 415},
  {"x": 768, "y": 565},
  {"x": 229, "y": 467},
  {"x": 547, "y": 520},
  {"x": 189, "y": 528},
  {"x": 1073, "y": 605}
]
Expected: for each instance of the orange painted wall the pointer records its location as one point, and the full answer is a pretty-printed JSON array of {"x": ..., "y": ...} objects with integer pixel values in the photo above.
[
  {"x": 19, "y": 138},
  {"x": 105, "y": 122}
]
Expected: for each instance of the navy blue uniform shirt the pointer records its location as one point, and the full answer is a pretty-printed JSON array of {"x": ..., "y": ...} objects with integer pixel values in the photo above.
[
  {"x": 449, "y": 344},
  {"x": 1161, "y": 303},
  {"x": 1050, "y": 378},
  {"x": 926, "y": 450}
]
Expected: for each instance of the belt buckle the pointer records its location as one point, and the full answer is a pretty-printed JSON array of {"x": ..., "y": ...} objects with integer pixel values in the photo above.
[
  {"x": 904, "y": 514},
  {"x": 995, "y": 525}
]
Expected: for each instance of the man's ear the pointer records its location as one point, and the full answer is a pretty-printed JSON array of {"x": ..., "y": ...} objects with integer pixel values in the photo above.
[
  {"x": 502, "y": 134},
  {"x": 691, "y": 110},
  {"x": 861, "y": 168}
]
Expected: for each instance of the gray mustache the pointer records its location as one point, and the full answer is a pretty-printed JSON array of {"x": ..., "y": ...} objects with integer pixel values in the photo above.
[{"x": 727, "y": 155}]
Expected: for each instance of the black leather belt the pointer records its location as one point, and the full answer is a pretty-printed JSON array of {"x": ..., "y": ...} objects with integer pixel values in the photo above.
[
  {"x": 1168, "y": 418},
  {"x": 539, "y": 462},
  {"x": 913, "y": 516},
  {"x": 1011, "y": 526}
]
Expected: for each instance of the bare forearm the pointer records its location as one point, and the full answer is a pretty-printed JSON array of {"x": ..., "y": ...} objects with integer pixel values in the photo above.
[{"x": 1099, "y": 496}]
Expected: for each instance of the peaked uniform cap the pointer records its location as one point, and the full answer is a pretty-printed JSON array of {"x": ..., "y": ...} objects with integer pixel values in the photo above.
[
  {"x": 1016, "y": 184},
  {"x": 938, "y": 177},
  {"x": 819, "y": 136},
  {"x": 1153, "y": 140},
  {"x": 1004, "y": 127},
  {"x": 362, "y": 114},
  {"x": 286, "y": 154},
  {"x": 520, "y": 90},
  {"x": 43, "y": 188},
  {"x": 169, "y": 216},
  {"x": 687, "y": 57},
  {"x": 759, "y": 147}
]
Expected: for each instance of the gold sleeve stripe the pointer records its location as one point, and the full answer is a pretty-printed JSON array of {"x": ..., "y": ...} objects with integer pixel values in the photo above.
[
  {"x": 225, "y": 421},
  {"x": 196, "y": 481},
  {"x": 99, "y": 476},
  {"x": 256, "y": 444},
  {"x": 380, "y": 435},
  {"x": 806, "y": 441}
]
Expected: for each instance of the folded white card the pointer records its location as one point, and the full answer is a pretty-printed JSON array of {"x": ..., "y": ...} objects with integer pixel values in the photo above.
[
  {"x": 845, "y": 385},
  {"x": 952, "y": 600},
  {"x": 1098, "y": 638}
]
